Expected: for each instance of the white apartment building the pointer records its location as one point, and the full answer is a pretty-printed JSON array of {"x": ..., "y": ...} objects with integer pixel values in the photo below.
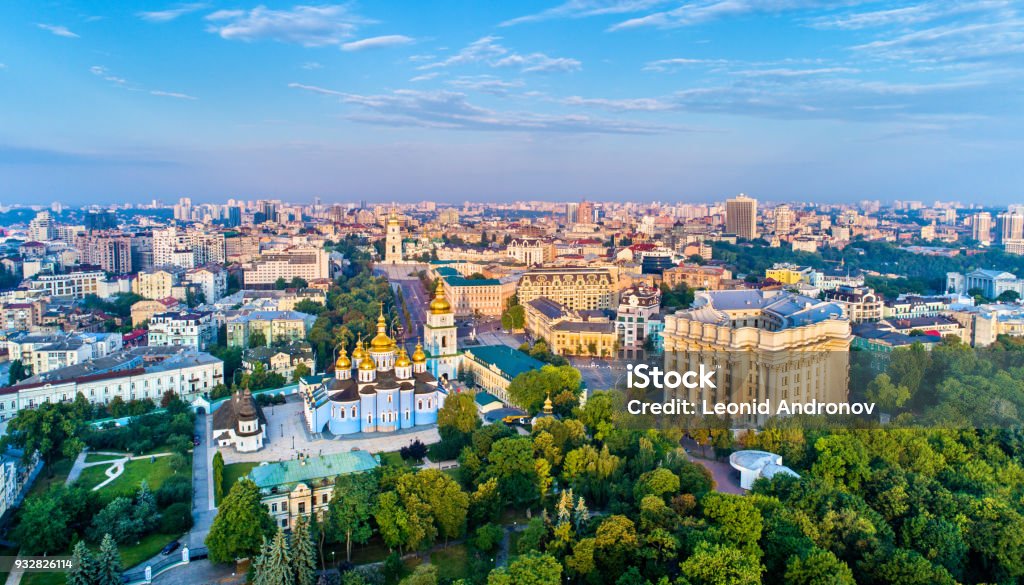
[
  {"x": 75, "y": 285},
  {"x": 43, "y": 352},
  {"x": 193, "y": 329},
  {"x": 211, "y": 280},
  {"x": 304, "y": 262}
]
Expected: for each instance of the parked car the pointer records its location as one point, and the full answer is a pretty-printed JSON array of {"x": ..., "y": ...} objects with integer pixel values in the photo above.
[{"x": 171, "y": 547}]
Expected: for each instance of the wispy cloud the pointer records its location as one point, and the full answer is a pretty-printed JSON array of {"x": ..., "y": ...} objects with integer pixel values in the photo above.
[
  {"x": 452, "y": 111},
  {"x": 101, "y": 71},
  {"x": 587, "y": 8},
  {"x": 621, "y": 105},
  {"x": 311, "y": 65},
  {"x": 172, "y": 94},
  {"x": 676, "y": 63},
  {"x": 953, "y": 42},
  {"x": 908, "y": 15},
  {"x": 701, "y": 11},
  {"x": 489, "y": 51},
  {"x": 486, "y": 84},
  {"x": 171, "y": 13},
  {"x": 59, "y": 30},
  {"x": 310, "y": 26},
  {"x": 426, "y": 76},
  {"x": 378, "y": 42},
  {"x": 3, "y": 66}
]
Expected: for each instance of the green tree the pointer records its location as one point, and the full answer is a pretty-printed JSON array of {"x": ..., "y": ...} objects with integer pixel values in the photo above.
[
  {"x": 421, "y": 575},
  {"x": 736, "y": 517},
  {"x": 658, "y": 482},
  {"x": 615, "y": 541},
  {"x": 43, "y": 525},
  {"x": 241, "y": 524},
  {"x": 511, "y": 463},
  {"x": 719, "y": 564},
  {"x": 818, "y": 567},
  {"x": 53, "y": 429},
  {"x": 447, "y": 503},
  {"x": 108, "y": 563},
  {"x": 84, "y": 569},
  {"x": 257, "y": 339},
  {"x": 301, "y": 371},
  {"x": 280, "y": 283},
  {"x": 303, "y": 554},
  {"x": 274, "y": 565},
  {"x": 218, "y": 477},
  {"x": 529, "y": 569},
  {"x": 17, "y": 373},
  {"x": 351, "y": 508},
  {"x": 887, "y": 395}
]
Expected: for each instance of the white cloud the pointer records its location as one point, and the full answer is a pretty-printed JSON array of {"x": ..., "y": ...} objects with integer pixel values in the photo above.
[
  {"x": 489, "y": 51},
  {"x": 60, "y": 31},
  {"x": 700, "y": 11},
  {"x": 172, "y": 94},
  {"x": 908, "y": 15},
  {"x": 310, "y": 26},
  {"x": 311, "y": 65},
  {"x": 452, "y": 111},
  {"x": 171, "y": 13},
  {"x": 486, "y": 84},
  {"x": 586, "y": 8},
  {"x": 621, "y": 105},
  {"x": 377, "y": 42},
  {"x": 100, "y": 71},
  {"x": 426, "y": 76},
  {"x": 668, "y": 64}
]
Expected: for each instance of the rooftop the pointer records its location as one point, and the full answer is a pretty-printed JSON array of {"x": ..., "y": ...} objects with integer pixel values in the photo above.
[
  {"x": 311, "y": 468},
  {"x": 509, "y": 360}
]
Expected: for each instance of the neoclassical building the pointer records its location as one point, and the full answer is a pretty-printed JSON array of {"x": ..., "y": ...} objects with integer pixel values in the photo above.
[
  {"x": 380, "y": 388},
  {"x": 767, "y": 346}
]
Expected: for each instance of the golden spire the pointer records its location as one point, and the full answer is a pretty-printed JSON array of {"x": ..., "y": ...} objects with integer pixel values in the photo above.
[
  {"x": 403, "y": 359},
  {"x": 418, "y": 356},
  {"x": 359, "y": 353},
  {"x": 548, "y": 407},
  {"x": 440, "y": 304},
  {"x": 381, "y": 342},
  {"x": 343, "y": 362}
]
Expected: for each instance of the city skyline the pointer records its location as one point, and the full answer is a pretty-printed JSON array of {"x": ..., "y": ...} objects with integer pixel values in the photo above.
[{"x": 608, "y": 100}]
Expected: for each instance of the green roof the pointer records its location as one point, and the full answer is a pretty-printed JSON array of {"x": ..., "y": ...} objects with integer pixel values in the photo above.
[
  {"x": 311, "y": 468},
  {"x": 485, "y": 398},
  {"x": 509, "y": 360}
]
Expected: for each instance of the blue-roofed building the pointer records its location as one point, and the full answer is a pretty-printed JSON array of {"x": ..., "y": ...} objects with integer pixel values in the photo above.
[
  {"x": 298, "y": 488},
  {"x": 495, "y": 366}
]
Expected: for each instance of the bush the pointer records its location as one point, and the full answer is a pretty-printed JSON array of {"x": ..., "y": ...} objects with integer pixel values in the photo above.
[
  {"x": 177, "y": 488},
  {"x": 176, "y": 518},
  {"x": 488, "y": 537}
]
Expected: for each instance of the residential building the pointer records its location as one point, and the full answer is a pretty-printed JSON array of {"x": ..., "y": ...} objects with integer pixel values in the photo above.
[
  {"x": 741, "y": 217},
  {"x": 195, "y": 329},
  {"x": 696, "y": 277},
  {"x": 143, "y": 311},
  {"x": 860, "y": 303},
  {"x": 276, "y": 327},
  {"x": 981, "y": 227},
  {"x": 304, "y": 262},
  {"x": 476, "y": 296},
  {"x": 530, "y": 251},
  {"x": 638, "y": 321},
  {"x": 158, "y": 284},
  {"x": 280, "y": 359},
  {"x": 210, "y": 280},
  {"x": 75, "y": 285},
  {"x": 41, "y": 227},
  {"x": 111, "y": 251}
]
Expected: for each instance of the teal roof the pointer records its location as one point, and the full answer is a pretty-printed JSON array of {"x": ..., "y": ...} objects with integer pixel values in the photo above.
[
  {"x": 312, "y": 468},
  {"x": 485, "y": 398},
  {"x": 509, "y": 360},
  {"x": 453, "y": 278}
]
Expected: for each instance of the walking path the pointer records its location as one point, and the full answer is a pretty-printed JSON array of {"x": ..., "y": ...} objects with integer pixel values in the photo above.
[{"x": 115, "y": 469}]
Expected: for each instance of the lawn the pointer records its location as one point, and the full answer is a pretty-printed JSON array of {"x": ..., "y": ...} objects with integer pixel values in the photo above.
[
  {"x": 233, "y": 472},
  {"x": 452, "y": 563},
  {"x": 94, "y": 457},
  {"x": 155, "y": 472},
  {"x": 53, "y": 474}
]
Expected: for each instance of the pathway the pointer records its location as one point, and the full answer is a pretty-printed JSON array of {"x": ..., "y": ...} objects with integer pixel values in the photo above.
[
  {"x": 113, "y": 472},
  {"x": 203, "y": 508}
]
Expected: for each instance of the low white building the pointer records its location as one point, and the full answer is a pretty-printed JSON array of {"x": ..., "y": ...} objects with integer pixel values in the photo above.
[
  {"x": 753, "y": 465},
  {"x": 188, "y": 329}
]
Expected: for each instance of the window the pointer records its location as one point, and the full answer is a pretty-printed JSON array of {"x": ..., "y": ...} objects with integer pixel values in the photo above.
[
  {"x": 273, "y": 507},
  {"x": 302, "y": 507}
]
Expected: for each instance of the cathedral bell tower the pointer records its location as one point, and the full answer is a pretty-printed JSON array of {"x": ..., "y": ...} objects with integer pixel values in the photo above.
[
  {"x": 439, "y": 337},
  {"x": 393, "y": 240}
]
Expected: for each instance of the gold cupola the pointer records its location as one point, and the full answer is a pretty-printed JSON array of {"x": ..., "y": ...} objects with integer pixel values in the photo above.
[
  {"x": 381, "y": 342},
  {"x": 418, "y": 356},
  {"x": 343, "y": 362},
  {"x": 358, "y": 353},
  {"x": 440, "y": 304},
  {"x": 403, "y": 359},
  {"x": 367, "y": 364}
]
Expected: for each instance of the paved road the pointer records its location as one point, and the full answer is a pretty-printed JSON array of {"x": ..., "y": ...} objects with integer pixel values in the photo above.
[
  {"x": 203, "y": 510},
  {"x": 201, "y": 572}
]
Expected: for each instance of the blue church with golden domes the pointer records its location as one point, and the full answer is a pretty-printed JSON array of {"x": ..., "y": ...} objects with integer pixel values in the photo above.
[{"x": 380, "y": 389}]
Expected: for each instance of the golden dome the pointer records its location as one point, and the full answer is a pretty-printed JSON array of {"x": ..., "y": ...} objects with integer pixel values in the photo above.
[
  {"x": 418, "y": 356},
  {"x": 440, "y": 305},
  {"x": 367, "y": 364},
  {"x": 343, "y": 362},
  {"x": 381, "y": 342},
  {"x": 358, "y": 353},
  {"x": 403, "y": 359},
  {"x": 392, "y": 218}
]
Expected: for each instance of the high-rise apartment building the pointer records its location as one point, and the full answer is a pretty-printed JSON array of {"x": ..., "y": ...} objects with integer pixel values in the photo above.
[
  {"x": 981, "y": 227},
  {"x": 1010, "y": 226},
  {"x": 784, "y": 218},
  {"x": 111, "y": 251},
  {"x": 741, "y": 217},
  {"x": 41, "y": 228}
]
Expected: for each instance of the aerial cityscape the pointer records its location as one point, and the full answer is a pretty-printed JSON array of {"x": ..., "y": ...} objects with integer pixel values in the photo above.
[{"x": 608, "y": 292}]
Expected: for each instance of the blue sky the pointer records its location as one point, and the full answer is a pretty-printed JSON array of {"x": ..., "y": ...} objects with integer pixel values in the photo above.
[{"x": 608, "y": 99}]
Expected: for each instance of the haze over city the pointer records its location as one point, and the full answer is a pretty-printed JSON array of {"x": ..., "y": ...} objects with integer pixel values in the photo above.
[{"x": 610, "y": 100}]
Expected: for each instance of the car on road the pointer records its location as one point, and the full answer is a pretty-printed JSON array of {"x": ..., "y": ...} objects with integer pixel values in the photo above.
[
  {"x": 196, "y": 440},
  {"x": 171, "y": 547}
]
